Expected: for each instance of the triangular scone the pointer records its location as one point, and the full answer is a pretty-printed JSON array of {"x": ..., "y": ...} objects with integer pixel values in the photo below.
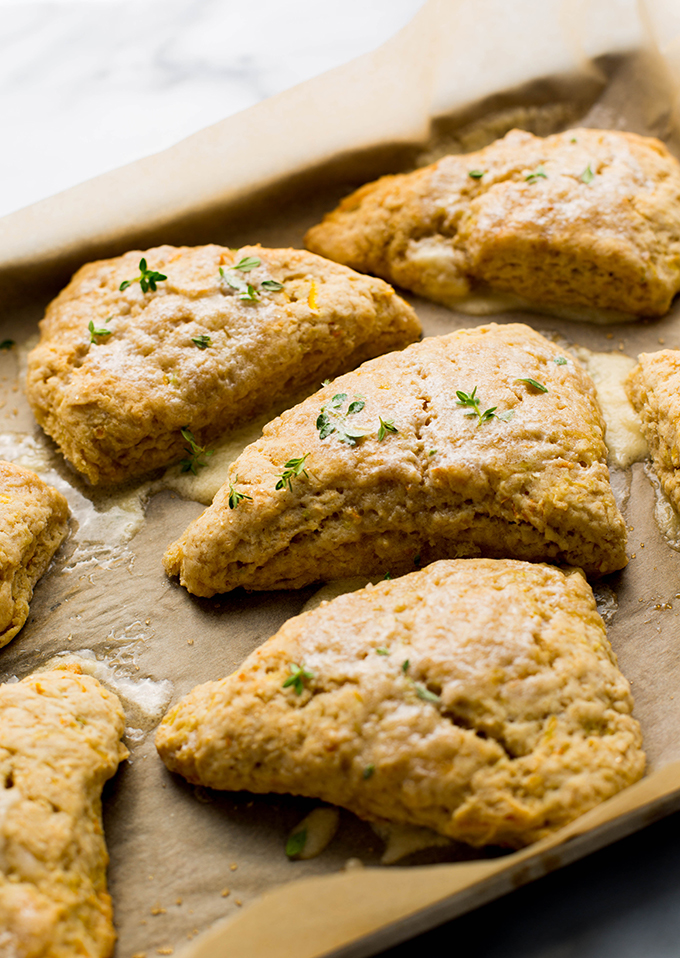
[
  {"x": 59, "y": 742},
  {"x": 586, "y": 218},
  {"x": 120, "y": 372},
  {"x": 33, "y": 524},
  {"x": 477, "y": 697},
  {"x": 654, "y": 389},
  {"x": 521, "y": 474}
]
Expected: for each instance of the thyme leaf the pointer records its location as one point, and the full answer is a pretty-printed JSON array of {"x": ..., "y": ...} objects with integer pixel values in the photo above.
[
  {"x": 332, "y": 421},
  {"x": 296, "y": 843},
  {"x": 368, "y": 771},
  {"x": 472, "y": 401},
  {"x": 292, "y": 468},
  {"x": 476, "y": 174},
  {"x": 534, "y": 384},
  {"x": 560, "y": 361},
  {"x": 587, "y": 176},
  {"x": 203, "y": 341},
  {"x": 271, "y": 285},
  {"x": 247, "y": 263}
]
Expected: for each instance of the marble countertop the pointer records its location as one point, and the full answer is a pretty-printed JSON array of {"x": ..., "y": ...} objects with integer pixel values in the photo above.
[{"x": 88, "y": 85}]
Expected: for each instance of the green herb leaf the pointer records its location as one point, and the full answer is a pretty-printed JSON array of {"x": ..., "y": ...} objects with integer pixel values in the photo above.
[
  {"x": 245, "y": 290},
  {"x": 296, "y": 843},
  {"x": 332, "y": 421},
  {"x": 404, "y": 665},
  {"x": 299, "y": 675},
  {"x": 386, "y": 425},
  {"x": 236, "y": 497},
  {"x": 587, "y": 176},
  {"x": 368, "y": 771},
  {"x": 98, "y": 332},
  {"x": 291, "y": 470},
  {"x": 203, "y": 341},
  {"x": 472, "y": 401},
  {"x": 416, "y": 559},
  {"x": 383, "y": 651},
  {"x": 386, "y": 577},
  {"x": 247, "y": 263},
  {"x": 196, "y": 454},
  {"x": 560, "y": 361},
  {"x": 476, "y": 174},
  {"x": 538, "y": 173},
  {"x": 147, "y": 278},
  {"x": 271, "y": 285},
  {"x": 425, "y": 694},
  {"x": 249, "y": 294},
  {"x": 534, "y": 384},
  {"x": 432, "y": 452},
  {"x": 7, "y": 344}
]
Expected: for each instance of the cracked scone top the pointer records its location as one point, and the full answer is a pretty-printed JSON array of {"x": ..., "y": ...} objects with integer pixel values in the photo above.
[
  {"x": 585, "y": 219},
  {"x": 477, "y": 697},
  {"x": 119, "y": 373},
  {"x": 59, "y": 742},
  {"x": 426, "y": 479},
  {"x": 33, "y": 524}
]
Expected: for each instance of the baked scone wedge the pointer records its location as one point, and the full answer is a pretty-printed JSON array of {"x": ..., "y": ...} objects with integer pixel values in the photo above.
[
  {"x": 477, "y": 697},
  {"x": 653, "y": 387},
  {"x": 587, "y": 219},
  {"x": 59, "y": 742},
  {"x": 197, "y": 338},
  {"x": 486, "y": 441},
  {"x": 33, "y": 524}
]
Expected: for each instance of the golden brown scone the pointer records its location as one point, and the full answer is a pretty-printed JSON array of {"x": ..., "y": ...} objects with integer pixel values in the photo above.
[
  {"x": 586, "y": 218},
  {"x": 478, "y": 697},
  {"x": 443, "y": 484},
  {"x": 194, "y": 353},
  {"x": 59, "y": 742},
  {"x": 33, "y": 524},
  {"x": 654, "y": 389}
]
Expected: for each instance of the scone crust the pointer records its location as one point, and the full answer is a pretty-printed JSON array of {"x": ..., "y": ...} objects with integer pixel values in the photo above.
[
  {"x": 534, "y": 486},
  {"x": 33, "y": 524},
  {"x": 59, "y": 742},
  {"x": 596, "y": 225},
  {"x": 654, "y": 389},
  {"x": 493, "y": 713},
  {"x": 116, "y": 407}
]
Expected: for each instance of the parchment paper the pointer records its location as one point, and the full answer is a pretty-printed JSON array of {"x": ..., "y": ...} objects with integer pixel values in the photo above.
[{"x": 458, "y": 76}]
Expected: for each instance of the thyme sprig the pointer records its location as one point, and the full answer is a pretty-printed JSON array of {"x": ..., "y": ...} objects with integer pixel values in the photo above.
[
  {"x": 147, "y": 278},
  {"x": 537, "y": 174},
  {"x": 299, "y": 675},
  {"x": 196, "y": 454},
  {"x": 386, "y": 425},
  {"x": 236, "y": 497},
  {"x": 94, "y": 333},
  {"x": 203, "y": 341},
  {"x": 292, "y": 468}
]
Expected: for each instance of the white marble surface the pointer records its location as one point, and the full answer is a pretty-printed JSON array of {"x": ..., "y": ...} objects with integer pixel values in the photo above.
[{"x": 88, "y": 85}]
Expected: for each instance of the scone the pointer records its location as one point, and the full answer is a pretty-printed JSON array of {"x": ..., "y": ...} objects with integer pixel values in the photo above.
[
  {"x": 33, "y": 524},
  {"x": 654, "y": 389},
  {"x": 59, "y": 742},
  {"x": 477, "y": 697},
  {"x": 486, "y": 441},
  {"x": 586, "y": 219},
  {"x": 138, "y": 348}
]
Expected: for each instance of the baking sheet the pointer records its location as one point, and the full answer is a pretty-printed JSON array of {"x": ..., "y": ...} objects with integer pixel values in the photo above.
[{"x": 184, "y": 857}]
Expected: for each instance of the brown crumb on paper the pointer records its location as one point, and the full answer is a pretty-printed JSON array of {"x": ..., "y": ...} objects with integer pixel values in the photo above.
[
  {"x": 139, "y": 954},
  {"x": 179, "y": 901},
  {"x": 233, "y": 867},
  {"x": 157, "y": 910},
  {"x": 167, "y": 950},
  {"x": 225, "y": 892},
  {"x": 237, "y": 901}
]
